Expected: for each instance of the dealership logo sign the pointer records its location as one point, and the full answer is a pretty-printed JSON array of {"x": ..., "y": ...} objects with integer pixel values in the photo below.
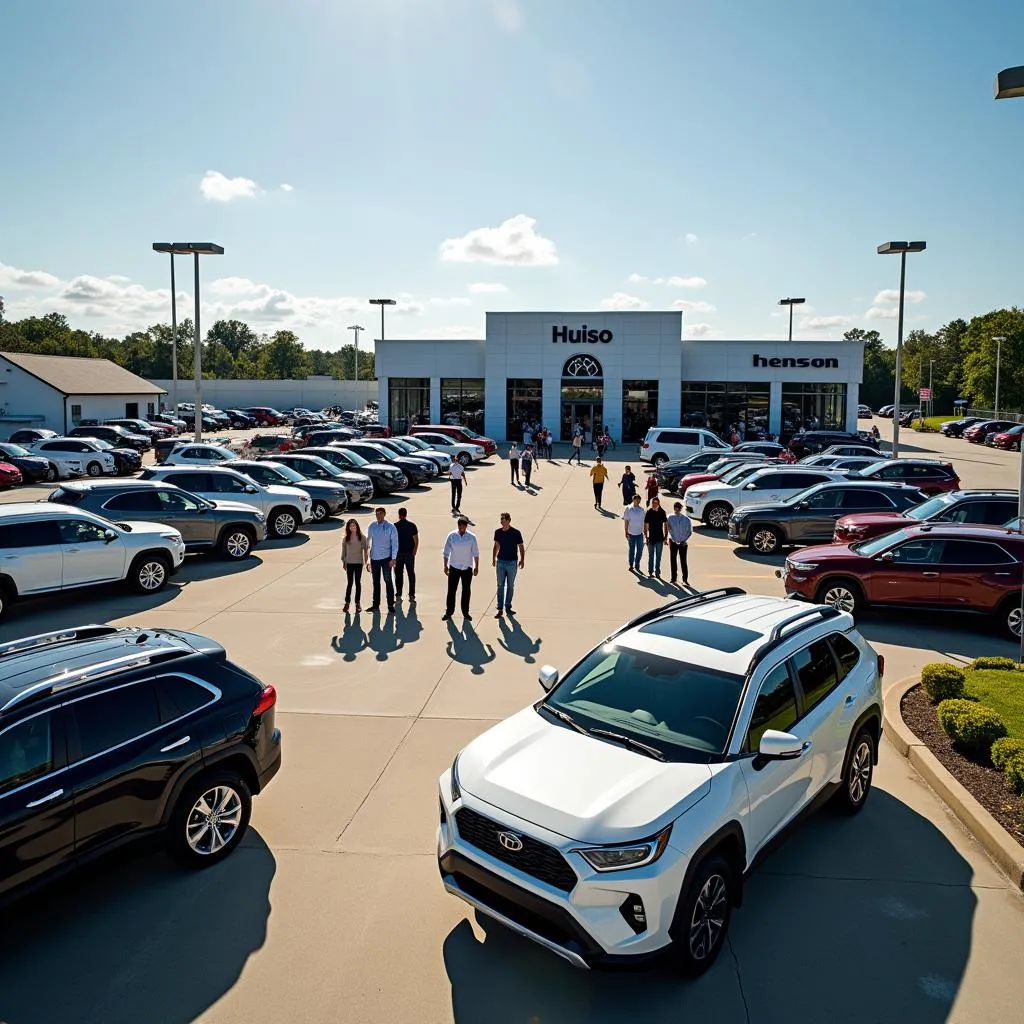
[
  {"x": 582, "y": 336},
  {"x": 798, "y": 362}
]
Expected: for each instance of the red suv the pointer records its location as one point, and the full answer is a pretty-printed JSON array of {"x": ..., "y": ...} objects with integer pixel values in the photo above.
[
  {"x": 926, "y": 475},
  {"x": 978, "y": 433},
  {"x": 461, "y": 434},
  {"x": 264, "y": 415},
  {"x": 952, "y": 568},
  {"x": 1009, "y": 439}
]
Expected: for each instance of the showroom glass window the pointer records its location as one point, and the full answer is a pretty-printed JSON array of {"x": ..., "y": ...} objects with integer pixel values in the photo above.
[
  {"x": 720, "y": 406},
  {"x": 462, "y": 402},
  {"x": 639, "y": 408},
  {"x": 408, "y": 402},
  {"x": 813, "y": 407},
  {"x": 522, "y": 404}
]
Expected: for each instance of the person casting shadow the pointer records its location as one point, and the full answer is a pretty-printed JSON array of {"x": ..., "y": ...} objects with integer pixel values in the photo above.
[
  {"x": 352, "y": 640},
  {"x": 407, "y": 626},
  {"x": 515, "y": 640},
  {"x": 382, "y": 637},
  {"x": 467, "y": 648}
]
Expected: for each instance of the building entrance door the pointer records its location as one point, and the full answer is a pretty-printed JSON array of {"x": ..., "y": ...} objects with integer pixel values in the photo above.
[{"x": 587, "y": 414}]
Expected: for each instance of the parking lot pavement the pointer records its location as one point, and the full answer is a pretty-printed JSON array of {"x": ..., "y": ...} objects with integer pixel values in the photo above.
[{"x": 332, "y": 910}]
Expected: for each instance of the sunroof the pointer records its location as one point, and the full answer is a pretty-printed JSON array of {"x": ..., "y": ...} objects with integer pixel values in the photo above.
[{"x": 719, "y": 636}]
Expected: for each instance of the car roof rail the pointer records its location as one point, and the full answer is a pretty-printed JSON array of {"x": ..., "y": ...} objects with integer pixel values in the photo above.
[
  {"x": 88, "y": 673},
  {"x": 781, "y": 631},
  {"x": 701, "y": 597},
  {"x": 55, "y": 637}
]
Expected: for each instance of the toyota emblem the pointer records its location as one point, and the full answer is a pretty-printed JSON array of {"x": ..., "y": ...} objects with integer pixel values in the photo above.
[{"x": 510, "y": 841}]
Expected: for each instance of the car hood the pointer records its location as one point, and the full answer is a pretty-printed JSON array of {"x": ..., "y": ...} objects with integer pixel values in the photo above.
[
  {"x": 137, "y": 526},
  {"x": 21, "y": 460},
  {"x": 867, "y": 518},
  {"x": 692, "y": 479},
  {"x": 353, "y": 476},
  {"x": 763, "y": 507},
  {"x": 824, "y": 553},
  {"x": 323, "y": 488},
  {"x": 231, "y": 506},
  {"x": 286, "y": 491},
  {"x": 574, "y": 785}
]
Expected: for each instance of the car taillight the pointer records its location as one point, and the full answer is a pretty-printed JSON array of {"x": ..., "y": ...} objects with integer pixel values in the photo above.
[
  {"x": 645, "y": 445},
  {"x": 881, "y": 664},
  {"x": 268, "y": 698}
]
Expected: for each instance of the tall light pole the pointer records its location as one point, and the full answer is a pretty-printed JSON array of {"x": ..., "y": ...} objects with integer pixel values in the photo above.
[
  {"x": 174, "y": 334},
  {"x": 998, "y": 339},
  {"x": 355, "y": 329},
  {"x": 931, "y": 394},
  {"x": 382, "y": 303},
  {"x": 1009, "y": 84},
  {"x": 194, "y": 249},
  {"x": 890, "y": 249},
  {"x": 791, "y": 303}
]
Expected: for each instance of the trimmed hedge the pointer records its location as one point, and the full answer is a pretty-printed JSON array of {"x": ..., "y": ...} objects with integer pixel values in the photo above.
[
  {"x": 942, "y": 681},
  {"x": 996, "y": 664},
  {"x": 971, "y": 726},
  {"x": 1014, "y": 772},
  {"x": 1006, "y": 749}
]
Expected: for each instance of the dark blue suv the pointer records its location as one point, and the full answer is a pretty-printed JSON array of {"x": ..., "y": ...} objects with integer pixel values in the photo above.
[{"x": 110, "y": 734}]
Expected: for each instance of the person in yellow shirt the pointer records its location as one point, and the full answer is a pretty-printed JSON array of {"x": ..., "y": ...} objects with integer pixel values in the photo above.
[{"x": 598, "y": 473}]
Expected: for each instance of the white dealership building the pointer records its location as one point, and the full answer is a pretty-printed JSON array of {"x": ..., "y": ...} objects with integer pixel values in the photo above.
[{"x": 623, "y": 370}]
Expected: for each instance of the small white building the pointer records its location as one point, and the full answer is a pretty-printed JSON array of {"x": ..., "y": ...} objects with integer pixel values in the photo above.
[{"x": 57, "y": 392}]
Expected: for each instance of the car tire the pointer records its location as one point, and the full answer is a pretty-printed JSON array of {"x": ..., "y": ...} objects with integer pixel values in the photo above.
[
  {"x": 659, "y": 460},
  {"x": 52, "y": 473},
  {"x": 716, "y": 515},
  {"x": 764, "y": 540},
  {"x": 283, "y": 522},
  {"x": 149, "y": 573},
  {"x": 6, "y": 598},
  {"x": 320, "y": 511},
  {"x": 236, "y": 543},
  {"x": 702, "y": 918},
  {"x": 222, "y": 802},
  {"x": 841, "y": 593},
  {"x": 94, "y": 469},
  {"x": 463, "y": 457},
  {"x": 1010, "y": 618},
  {"x": 858, "y": 771}
]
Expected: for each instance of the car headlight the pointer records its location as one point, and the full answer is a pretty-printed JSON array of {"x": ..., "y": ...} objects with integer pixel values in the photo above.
[
  {"x": 619, "y": 858},
  {"x": 695, "y": 494},
  {"x": 456, "y": 788},
  {"x": 802, "y": 566},
  {"x": 260, "y": 517},
  {"x": 175, "y": 537}
]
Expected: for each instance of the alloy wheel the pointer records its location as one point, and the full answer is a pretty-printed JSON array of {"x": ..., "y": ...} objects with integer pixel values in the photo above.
[
  {"x": 708, "y": 920},
  {"x": 1013, "y": 621},
  {"x": 51, "y": 474},
  {"x": 94, "y": 469},
  {"x": 718, "y": 517},
  {"x": 765, "y": 541},
  {"x": 213, "y": 820},
  {"x": 285, "y": 524},
  {"x": 152, "y": 575},
  {"x": 840, "y": 598},
  {"x": 237, "y": 544},
  {"x": 320, "y": 511},
  {"x": 860, "y": 772}
]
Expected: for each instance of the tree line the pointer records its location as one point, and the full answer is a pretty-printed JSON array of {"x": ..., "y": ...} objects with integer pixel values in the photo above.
[{"x": 232, "y": 350}]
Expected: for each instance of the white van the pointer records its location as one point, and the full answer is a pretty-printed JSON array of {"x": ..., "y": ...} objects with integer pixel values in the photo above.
[{"x": 663, "y": 444}]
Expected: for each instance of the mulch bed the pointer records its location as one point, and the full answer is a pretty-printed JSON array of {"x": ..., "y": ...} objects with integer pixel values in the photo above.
[{"x": 984, "y": 783}]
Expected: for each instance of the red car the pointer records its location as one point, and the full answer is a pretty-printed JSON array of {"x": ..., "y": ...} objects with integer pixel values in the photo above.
[
  {"x": 375, "y": 430},
  {"x": 1009, "y": 439},
  {"x": 943, "y": 567},
  {"x": 726, "y": 467},
  {"x": 926, "y": 475},
  {"x": 978, "y": 433},
  {"x": 9, "y": 475},
  {"x": 462, "y": 434},
  {"x": 265, "y": 415}
]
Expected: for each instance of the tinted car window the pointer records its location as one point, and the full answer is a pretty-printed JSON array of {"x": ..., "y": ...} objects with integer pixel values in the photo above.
[
  {"x": 40, "y": 533},
  {"x": 179, "y": 697},
  {"x": 858, "y": 498},
  {"x": 847, "y": 654},
  {"x": 924, "y": 552},
  {"x": 175, "y": 501},
  {"x": 26, "y": 752},
  {"x": 115, "y": 717},
  {"x": 974, "y": 552},
  {"x": 224, "y": 483},
  {"x": 991, "y": 513},
  {"x": 133, "y": 501},
  {"x": 81, "y": 531},
  {"x": 769, "y": 481},
  {"x": 816, "y": 670},
  {"x": 262, "y": 474},
  {"x": 825, "y": 499},
  {"x": 191, "y": 481},
  {"x": 798, "y": 481},
  {"x": 775, "y": 707}
]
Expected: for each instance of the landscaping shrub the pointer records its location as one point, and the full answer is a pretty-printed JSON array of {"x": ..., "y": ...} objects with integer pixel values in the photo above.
[
  {"x": 1006, "y": 749},
  {"x": 942, "y": 681},
  {"x": 972, "y": 727},
  {"x": 1014, "y": 772},
  {"x": 992, "y": 663}
]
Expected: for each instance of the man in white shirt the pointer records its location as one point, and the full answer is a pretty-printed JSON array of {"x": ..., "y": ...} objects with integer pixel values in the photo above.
[
  {"x": 633, "y": 521},
  {"x": 461, "y": 563},
  {"x": 457, "y": 476},
  {"x": 680, "y": 529},
  {"x": 383, "y": 540}
]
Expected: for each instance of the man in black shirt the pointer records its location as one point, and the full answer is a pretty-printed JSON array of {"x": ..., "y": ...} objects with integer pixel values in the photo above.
[
  {"x": 508, "y": 557},
  {"x": 655, "y": 531},
  {"x": 405, "y": 560}
]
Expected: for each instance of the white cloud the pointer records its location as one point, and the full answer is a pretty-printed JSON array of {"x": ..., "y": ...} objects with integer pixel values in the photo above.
[
  {"x": 118, "y": 300},
  {"x": 696, "y": 330},
  {"x": 12, "y": 277},
  {"x": 118, "y": 278},
  {"x": 514, "y": 242},
  {"x": 620, "y": 300},
  {"x": 508, "y": 15},
  {"x": 636, "y": 278},
  {"x": 487, "y": 288},
  {"x": 456, "y": 301},
  {"x": 222, "y": 189},
  {"x": 690, "y": 238},
  {"x": 824, "y": 321},
  {"x": 452, "y": 332},
  {"x": 882, "y": 313},
  {"x": 285, "y": 187},
  {"x": 893, "y": 295},
  {"x": 698, "y": 306},
  {"x": 686, "y": 282}
]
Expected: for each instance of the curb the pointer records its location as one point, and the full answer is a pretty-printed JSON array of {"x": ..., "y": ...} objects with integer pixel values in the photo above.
[{"x": 998, "y": 843}]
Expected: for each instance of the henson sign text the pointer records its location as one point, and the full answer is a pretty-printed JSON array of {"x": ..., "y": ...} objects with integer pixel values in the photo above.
[
  {"x": 582, "y": 336},
  {"x": 795, "y": 362}
]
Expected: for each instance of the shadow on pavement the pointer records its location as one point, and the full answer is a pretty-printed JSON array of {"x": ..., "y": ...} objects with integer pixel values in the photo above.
[
  {"x": 853, "y": 919},
  {"x": 957, "y": 636},
  {"x": 135, "y": 938},
  {"x": 353, "y": 638},
  {"x": 382, "y": 636},
  {"x": 515, "y": 640},
  {"x": 467, "y": 648}
]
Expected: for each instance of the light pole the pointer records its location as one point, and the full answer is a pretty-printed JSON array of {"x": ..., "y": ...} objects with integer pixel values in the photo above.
[
  {"x": 174, "y": 334},
  {"x": 998, "y": 339},
  {"x": 791, "y": 303},
  {"x": 931, "y": 394},
  {"x": 195, "y": 249},
  {"x": 890, "y": 249},
  {"x": 355, "y": 329},
  {"x": 382, "y": 303}
]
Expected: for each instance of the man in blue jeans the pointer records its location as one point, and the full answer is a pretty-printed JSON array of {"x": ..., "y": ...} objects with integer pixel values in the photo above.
[
  {"x": 508, "y": 557},
  {"x": 633, "y": 520}
]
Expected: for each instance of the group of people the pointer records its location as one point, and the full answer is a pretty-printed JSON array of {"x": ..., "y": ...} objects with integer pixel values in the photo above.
[
  {"x": 390, "y": 548},
  {"x": 539, "y": 438}
]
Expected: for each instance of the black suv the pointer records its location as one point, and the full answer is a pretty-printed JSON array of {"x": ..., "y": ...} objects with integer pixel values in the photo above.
[
  {"x": 812, "y": 442},
  {"x": 810, "y": 516},
  {"x": 110, "y": 734},
  {"x": 117, "y": 436}
]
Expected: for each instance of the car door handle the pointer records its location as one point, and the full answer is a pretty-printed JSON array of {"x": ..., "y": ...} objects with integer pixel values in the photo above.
[
  {"x": 994, "y": 574},
  {"x": 929, "y": 575},
  {"x": 176, "y": 743},
  {"x": 55, "y": 795},
  {"x": 73, "y": 551},
  {"x": 807, "y": 746},
  {"x": 849, "y": 702}
]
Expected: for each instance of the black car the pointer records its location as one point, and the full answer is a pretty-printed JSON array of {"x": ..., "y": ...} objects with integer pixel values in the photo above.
[
  {"x": 33, "y": 467},
  {"x": 956, "y": 428},
  {"x": 670, "y": 473},
  {"x": 29, "y": 435},
  {"x": 810, "y": 516},
  {"x": 417, "y": 470},
  {"x": 140, "y": 427},
  {"x": 329, "y": 498},
  {"x": 111, "y": 734},
  {"x": 319, "y": 436},
  {"x": 240, "y": 420},
  {"x": 117, "y": 436},
  {"x": 811, "y": 442},
  {"x": 385, "y": 478}
]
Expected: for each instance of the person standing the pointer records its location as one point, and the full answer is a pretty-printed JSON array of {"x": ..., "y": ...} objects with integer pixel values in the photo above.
[
  {"x": 577, "y": 449},
  {"x": 628, "y": 486},
  {"x": 456, "y": 477},
  {"x": 528, "y": 463},
  {"x": 355, "y": 554},
  {"x": 655, "y": 532},
  {"x": 680, "y": 529},
  {"x": 598, "y": 475},
  {"x": 513, "y": 463},
  {"x": 461, "y": 556},
  {"x": 383, "y": 540},
  {"x": 528, "y": 436},
  {"x": 508, "y": 544},
  {"x": 405, "y": 560},
  {"x": 652, "y": 487},
  {"x": 633, "y": 522}
]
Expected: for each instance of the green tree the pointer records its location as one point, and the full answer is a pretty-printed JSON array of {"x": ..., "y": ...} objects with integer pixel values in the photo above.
[
  {"x": 236, "y": 337},
  {"x": 979, "y": 363},
  {"x": 879, "y": 367},
  {"x": 284, "y": 358}
]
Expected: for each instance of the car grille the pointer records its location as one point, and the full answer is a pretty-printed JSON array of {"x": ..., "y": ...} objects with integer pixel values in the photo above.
[{"x": 536, "y": 859}]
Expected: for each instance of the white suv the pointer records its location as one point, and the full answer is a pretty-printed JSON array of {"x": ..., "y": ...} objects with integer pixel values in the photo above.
[
  {"x": 714, "y": 502},
  {"x": 46, "y": 548},
  {"x": 615, "y": 819},
  {"x": 83, "y": 450},
  {"x": 286, "y": 508},
  {"x": 191, "y": 454},
  {"x": 663, "y": 444}
]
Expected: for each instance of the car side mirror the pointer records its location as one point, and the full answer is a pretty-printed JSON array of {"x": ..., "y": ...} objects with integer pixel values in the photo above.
[
  {"x": 779, "y": 746},
  {"x": 548, "y": 676},
  {"x": 887, "y": 556},
  {"x": 803, "y": 504},
  {"x": 750, "y": 487},
  {"x": 109, "y": 535},
  {"x": 251, "y": 489}
]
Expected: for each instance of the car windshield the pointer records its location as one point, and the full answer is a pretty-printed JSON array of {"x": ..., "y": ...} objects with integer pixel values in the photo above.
[
  {"x": 929, "y": 509},
  {"x": 100, "y": 443},
  {"x": 468, "y": 432},
  {"x": 685, "y": 711},
  {"x": 310, "y": 465},
  {"x": 285, "y": 472},
  {"x": 402, "y": 446},
  {"x": 356, "y": 460},
  {"x": 15, "y": 451},
  {"x": 738, "y": 473},
  {"x": 870, "y": 548},
  {"x": 415, "y": 442}
]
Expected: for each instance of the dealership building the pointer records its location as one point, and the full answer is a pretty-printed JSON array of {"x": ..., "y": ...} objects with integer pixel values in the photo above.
[{"x": 622, "y": 370}]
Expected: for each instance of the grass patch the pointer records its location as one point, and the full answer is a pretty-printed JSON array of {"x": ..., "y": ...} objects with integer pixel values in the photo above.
[
  {"x": 1003, "y": 692},
  {"x": 934, "y": 422}
]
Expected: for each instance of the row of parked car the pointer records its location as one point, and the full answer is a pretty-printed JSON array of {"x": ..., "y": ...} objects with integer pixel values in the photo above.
[{"x": 1005, "y": 434}]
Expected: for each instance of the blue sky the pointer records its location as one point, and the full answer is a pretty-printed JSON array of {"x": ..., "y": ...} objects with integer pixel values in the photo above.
[{"x": 466, "y": 155}]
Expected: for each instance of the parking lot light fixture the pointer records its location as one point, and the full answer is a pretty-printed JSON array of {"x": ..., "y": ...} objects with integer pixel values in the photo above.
[
  {"x": 998, "y": 339},
  {"x": 355, "y": 329},
  {"x": 791, "y": 303},
  {"x": 891, "y": 249}
]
